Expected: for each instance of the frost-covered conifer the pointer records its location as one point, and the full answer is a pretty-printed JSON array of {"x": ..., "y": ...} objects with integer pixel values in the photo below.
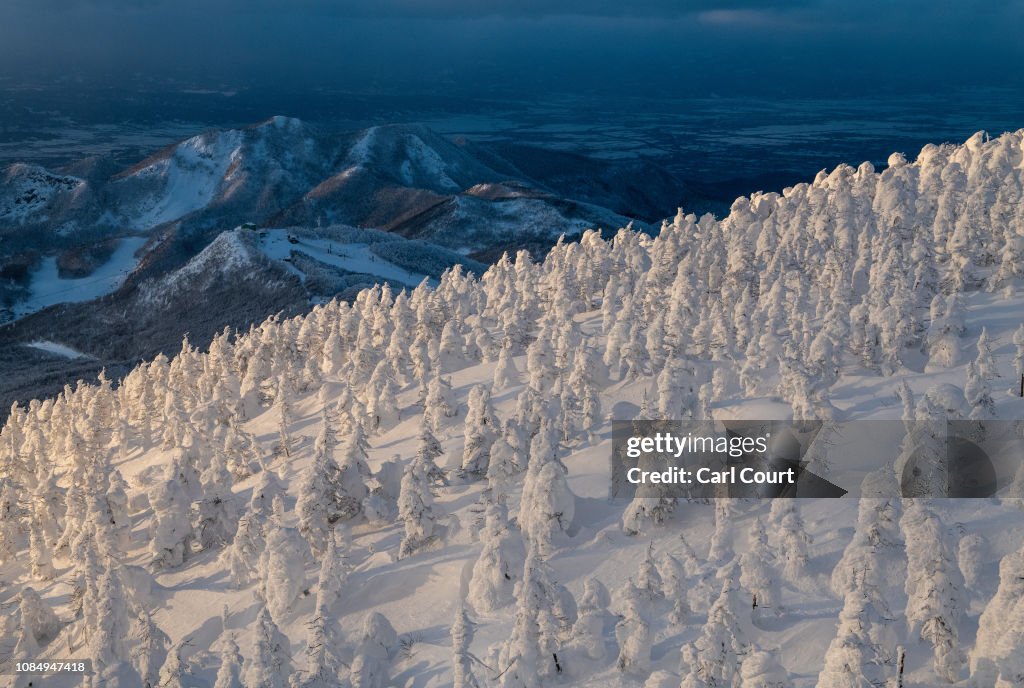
[
  {"x": 320, "y": 490},
  {"x": 36, "y": 618},
  {"x": 480, "y": 432},
  {"x": 416, "y": 509},
  {"x": 282, "y": 564},
  {"x": 374, "y": 654},
  {"x": 652, "y": 504},
  {"x": 1018, "y": 358},
  {"x": 998, "y": 619},
  {"x": 531, "y": 653},
  {"x": 462, "y": 658},
  {"x": 499, "y": 563},
  {"x": 547, "y": 505},
  {"x": 270, "y": 663},
  {"x": 934, "y": 588},
  {"x": 10, "y": 532},
  {"x": 588, "y": 631},
  {"x": 506, "y": 461},
  {"x": 428, "y": 452},
  {"x": 242, "y": 557},
  {"x": 381, "y": 401},
  {"x": 283, "y": 415},
  {"x": 721, "y": 547},
  {"x": 505, "y": 372},
  {"x": 760, "y": 669},
  {"x": 633, "y": 632},
  {"x": 354, "y": 472},
  {"x": 216, "y": 512},
  {"x": 984, "y": 362},
  {"x": 972, "y": 553},
  {"x": 440, "y": 402},
  {"x": 109, "y": 636},
  {"x": 863, "y": 652},
  {"x": 721, "y": 643},
  {"x": 40, "y": 557},
  {"x": 229, "y": 673},
  {"x": 757, "y": 571},
  {"x": 791, "y": 541},
  {"x": 978, "y": 394},
  {"x": 171, "y": 534},
  {"x": 648, "y": 578},
  {"x": 149, "y": 649}
]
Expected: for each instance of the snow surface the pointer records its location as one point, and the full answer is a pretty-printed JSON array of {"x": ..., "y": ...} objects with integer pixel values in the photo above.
[
  {"x": 188, "y": 179},
  {"x": 56, "y": 349},
  {"x": 47, "y": 288},
  {"x": 350, "y": 257}
]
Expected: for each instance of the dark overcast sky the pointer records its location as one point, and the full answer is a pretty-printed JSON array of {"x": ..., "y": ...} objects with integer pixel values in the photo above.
[{"x": 486, "y": 46}]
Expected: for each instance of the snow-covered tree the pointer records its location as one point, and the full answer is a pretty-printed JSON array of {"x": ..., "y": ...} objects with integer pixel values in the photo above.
[
  {"x": 530, "y": 655},
  {"x": 1018, "y": 358},
  {"x": 320, "y": 489},
  {"x": 462, "y": 658},
  {"x": 171, "y": 534},
  {"x": 381, "y": 401},
  {"x": 721, "y": 642},
  {"x": 588, "y": 631},
  {"x": 935, "y": 599},
  {"x": 216, "y": 514},
  {"x": 354, "y": 472},
  {"x": 499, "y": 563},
  {"x": 416, "y": 509},
  {"x": 761, "y": 669},
  {"x": 36, "y": 618},
  {"x": 480, "y": 432},
  {"x": 229, "y": 673},
  {"x": 547, "y": 505},
  {"x": 757, "y": 571},
  {"x": 375, "y": 652},
  {"x": 281, "y": 564},
  {"x": 440, "y": 402},
  {"x": 505, "y": 372},
  {"x": 1001, "y": 615},
  {"x": 270, "y": 663},
  {"x": 972, "y": 553},
  {"x": 984, "y": 362},
  {"x": 283, "y": 415},
  {"x": 176, "y": 671},
  {"x": 791, "y": 541},
  {"x": 149, "y": 649},
  {"x": 633, "y": 631},
  {"x": 721, "y": 548},
  {"x": 428, "y": 452},
  {"x": 859, "y": 656}
]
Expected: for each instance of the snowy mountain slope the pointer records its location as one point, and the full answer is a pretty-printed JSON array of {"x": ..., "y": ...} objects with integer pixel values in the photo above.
[
  {"x": 47, "y": 287},
  {"x": 183, "y": 181},
  {"x": 280, "y": 171},
  {"x": 861, "y": 295},
  {"x": 29, "y": 193}
]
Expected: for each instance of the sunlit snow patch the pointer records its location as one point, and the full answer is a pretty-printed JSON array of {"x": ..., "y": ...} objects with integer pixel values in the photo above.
[
  {"x": 48, "y": 288},
  {"x": 56, "y": 349}
]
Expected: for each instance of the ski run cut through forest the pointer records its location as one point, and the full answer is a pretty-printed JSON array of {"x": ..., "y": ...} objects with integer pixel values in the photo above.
[{"x": 412, "y": 489}]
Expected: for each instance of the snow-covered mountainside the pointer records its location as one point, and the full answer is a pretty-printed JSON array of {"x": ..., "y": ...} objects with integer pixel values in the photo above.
[
  {"x": 283, "y": 171},
  {"x": 29, "y": 192},
  {"x": 412, "y": 489}
]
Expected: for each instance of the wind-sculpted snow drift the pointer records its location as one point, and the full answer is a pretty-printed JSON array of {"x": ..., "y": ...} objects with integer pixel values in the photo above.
[{"x": 413, "y": 489}]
